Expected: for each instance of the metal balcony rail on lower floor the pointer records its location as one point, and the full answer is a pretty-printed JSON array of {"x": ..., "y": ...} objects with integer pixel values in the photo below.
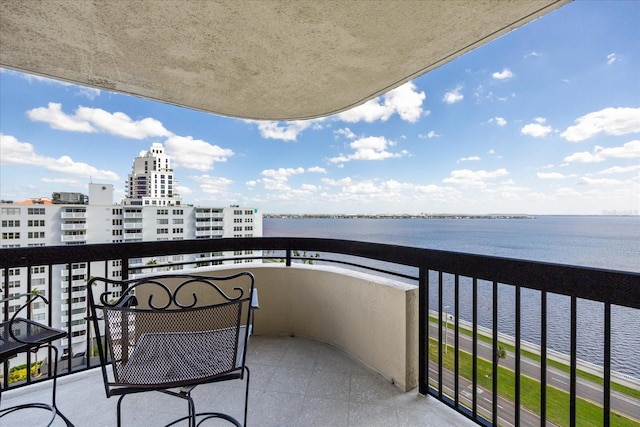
[{"x": 461, "y": 297}]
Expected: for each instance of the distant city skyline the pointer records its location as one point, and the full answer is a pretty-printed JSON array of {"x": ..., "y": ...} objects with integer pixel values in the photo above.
[{"x": 544, "y": 120}]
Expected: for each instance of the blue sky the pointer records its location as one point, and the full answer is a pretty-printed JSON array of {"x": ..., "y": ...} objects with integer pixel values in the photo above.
[{"x": 544, "y": 120}]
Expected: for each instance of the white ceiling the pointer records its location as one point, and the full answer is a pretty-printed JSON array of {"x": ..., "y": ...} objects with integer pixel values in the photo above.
[{"x": 253, "y": 59}]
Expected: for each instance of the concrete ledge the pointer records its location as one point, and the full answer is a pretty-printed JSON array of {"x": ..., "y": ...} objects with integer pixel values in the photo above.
[{"x": 372, "y": 318}]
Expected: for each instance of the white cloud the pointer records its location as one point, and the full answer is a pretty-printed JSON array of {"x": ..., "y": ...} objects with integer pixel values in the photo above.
[
  {"x": 346, "y": 132},
  {"x": 498, "y": 120},
  {"x": 403, "y": 100},
  {"x": 551, "y": 175},
  {"x": 619, "y": 170},
  {"x": 599, "y": 182},
  {"x": 469, "y": 159},
  {"x": 611, "y": 121},
  {"x": 431, "y": 134},
  {"x": 628, "y": 151},
  {"x": 285, "y": 131},
  {"x": 502, "y": 75},
  {"x": 189, "y": 153},
  {"x": 611, "y": 58},
  {"x": 213, "y": 185},
  {"x": 453, "y": 96},
  {"x": 97, "y": 120},
  {"x": 182, "y": 190},
  {"x": 369, "y": 148},
  {"x": 277, "y": 179},
  {"x": 471, "y": 178},
  {"x": 537, "y": 129},
  {"x": 54, "y": 116},
  {"x": 22, "y": 153},
  {"x": 533, "y": 53},
  {"x": 316, "y": 169}
]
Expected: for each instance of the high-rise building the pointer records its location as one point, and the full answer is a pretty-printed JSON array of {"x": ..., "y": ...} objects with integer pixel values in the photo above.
[
  {"x": 151, "y": 211},
  {"x": 151, "y": 181}
]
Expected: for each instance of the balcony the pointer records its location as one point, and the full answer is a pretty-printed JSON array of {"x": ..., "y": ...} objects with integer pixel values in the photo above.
[
  {"x": 73, "y": 237},
  {"x": 310, "y": 383},
  {"x": 392, "y": 324},
  {"x": 67, "y": 227}
]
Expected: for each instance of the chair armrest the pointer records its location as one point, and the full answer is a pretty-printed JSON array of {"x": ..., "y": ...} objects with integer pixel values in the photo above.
[{"x": 254, "y": 299}]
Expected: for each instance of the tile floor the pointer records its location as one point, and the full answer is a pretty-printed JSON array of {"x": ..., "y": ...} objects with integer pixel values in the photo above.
[{"x": 294, "y": 382}]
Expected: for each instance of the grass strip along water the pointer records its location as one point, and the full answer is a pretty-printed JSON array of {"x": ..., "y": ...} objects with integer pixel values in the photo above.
[
  {"x": 550, "y": 362},
  {"x": 587, "y": 413}
]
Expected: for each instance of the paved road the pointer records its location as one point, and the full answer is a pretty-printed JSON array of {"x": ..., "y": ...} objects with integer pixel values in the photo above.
[
  {"x": 506, "y": 409},
  {"x": 587, "y": 390}
]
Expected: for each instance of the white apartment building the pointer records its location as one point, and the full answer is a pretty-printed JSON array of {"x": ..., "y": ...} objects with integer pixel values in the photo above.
[{"x": 144, "y": 215}]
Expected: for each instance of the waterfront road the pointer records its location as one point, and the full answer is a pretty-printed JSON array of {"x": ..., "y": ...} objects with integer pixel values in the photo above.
[
  {"x": 506, "y": 408},
  {"x": 587, "y": 390}
]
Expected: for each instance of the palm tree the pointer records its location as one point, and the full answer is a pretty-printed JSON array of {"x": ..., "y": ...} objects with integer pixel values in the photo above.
[{"x": 502, "y": 353}]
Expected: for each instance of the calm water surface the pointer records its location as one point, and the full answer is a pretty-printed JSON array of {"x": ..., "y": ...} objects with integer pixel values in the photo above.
[{"x": 593, "y": 241}]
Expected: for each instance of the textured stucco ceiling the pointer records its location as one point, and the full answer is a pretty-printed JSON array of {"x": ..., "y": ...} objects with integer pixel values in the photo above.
[{"x": 254, "y": 59}]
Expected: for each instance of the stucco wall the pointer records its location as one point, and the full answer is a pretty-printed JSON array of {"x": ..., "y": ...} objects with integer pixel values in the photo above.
[{"x": 372, "y": 318}]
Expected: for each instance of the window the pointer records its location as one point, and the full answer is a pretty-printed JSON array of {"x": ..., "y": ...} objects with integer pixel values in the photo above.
[
  {"x": 7, "y": 236},
  {"x": 178, "y": 230},
  {"x": 178, "y": 221},
  {"x": 36, "y": 270},
  {"x": 163, "y": 211},
  {"x": 178, "y": 211},
  {"x": 10, "y": 211},
  {"x": 35, "y": 211},
  {"x": 35, "y": 235},
  {"x": 237, "y": 220},
  {"x": 162, "y": 231},
  {"x": 248, "y": 220},
  {"x": 248, "y": 212},
  {"x": 116, "y": 211},
  {"x": 11, "y": 223},
  {"x": 248, "y": 228},
  {"x": 162, "y": 221},
  {"x": 116, "y": 222},
  {"x": 35, "y": 223},
  {"x": 237, "y": 212},
  {"x": 237, "y": 228}
]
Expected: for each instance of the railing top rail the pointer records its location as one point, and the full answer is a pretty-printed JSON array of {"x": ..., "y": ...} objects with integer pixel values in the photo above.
[{"x": 616, "y": 287}]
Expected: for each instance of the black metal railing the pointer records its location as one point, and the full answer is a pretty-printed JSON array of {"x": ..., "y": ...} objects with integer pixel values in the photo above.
[{"x": 476, "y": 286}]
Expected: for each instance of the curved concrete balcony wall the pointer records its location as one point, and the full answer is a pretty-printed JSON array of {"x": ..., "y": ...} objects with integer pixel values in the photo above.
[{"x": 372, "y": 318}]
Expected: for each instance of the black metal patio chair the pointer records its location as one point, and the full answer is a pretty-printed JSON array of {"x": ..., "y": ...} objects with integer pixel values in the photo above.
[
  {"x": 170, "y": 333},
  {"x": 22, "y": 335}
]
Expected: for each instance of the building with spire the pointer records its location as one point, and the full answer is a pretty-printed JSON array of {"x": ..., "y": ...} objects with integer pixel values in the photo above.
[{"x": 151, "y": 211}]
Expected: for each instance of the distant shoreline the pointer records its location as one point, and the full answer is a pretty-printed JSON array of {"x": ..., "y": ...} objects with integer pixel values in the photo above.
[{"x": 397, "y": 216}]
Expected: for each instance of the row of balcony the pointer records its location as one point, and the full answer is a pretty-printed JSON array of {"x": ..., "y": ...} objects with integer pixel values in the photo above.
[{"x": 399, "y": 313}]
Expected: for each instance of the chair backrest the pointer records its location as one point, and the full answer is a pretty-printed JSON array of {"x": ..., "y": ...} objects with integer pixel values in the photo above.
[{"x": 170, "y": 330}]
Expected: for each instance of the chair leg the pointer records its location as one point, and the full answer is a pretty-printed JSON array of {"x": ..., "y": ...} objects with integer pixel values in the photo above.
[
  {"x": 54, "y": 385},
  {"x": 246, "y": 397},
  {"x": 118, "y": 410}
]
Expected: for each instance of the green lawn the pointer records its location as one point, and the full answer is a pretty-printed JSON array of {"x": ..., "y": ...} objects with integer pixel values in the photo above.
[
  {"x": 551, "y": 363},
  {"x": 588, "y": 414}
]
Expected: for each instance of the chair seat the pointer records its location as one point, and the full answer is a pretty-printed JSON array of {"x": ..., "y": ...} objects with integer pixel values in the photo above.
[
  {"x": 180, "y": 358},
  {"x": 30, "y": 334}
]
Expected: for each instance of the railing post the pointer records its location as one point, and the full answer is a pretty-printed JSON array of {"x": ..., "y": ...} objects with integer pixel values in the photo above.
[
  {"x": 423, "y": 332},
  {"x": 288, "y": 258}
]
